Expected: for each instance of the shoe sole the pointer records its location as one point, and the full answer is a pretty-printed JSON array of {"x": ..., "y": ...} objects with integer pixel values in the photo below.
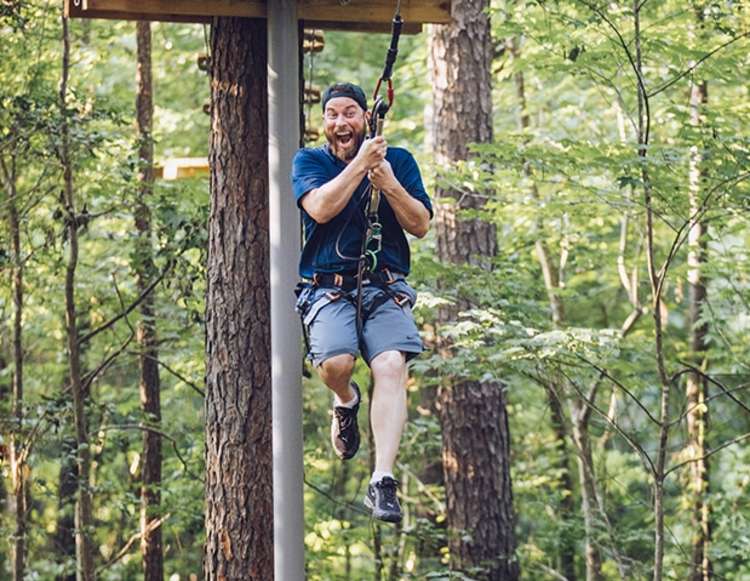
[
  {"x": 380, "y": 515},
  {"x": 339, "y": 455}
]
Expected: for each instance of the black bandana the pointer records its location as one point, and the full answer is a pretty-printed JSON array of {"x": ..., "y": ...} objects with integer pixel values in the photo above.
[{"x": 345, "y": 90}]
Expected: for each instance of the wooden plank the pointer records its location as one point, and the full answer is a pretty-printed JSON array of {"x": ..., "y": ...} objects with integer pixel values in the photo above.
[
  {"x": 353, "y": 14},
  {"x": 73, "y": 11},
  {"x": 418, "y": 11},
  {"x": 241, "y": 8},
  {"x": 181, "y": 168},
  {"x": 385, "y": 28}
]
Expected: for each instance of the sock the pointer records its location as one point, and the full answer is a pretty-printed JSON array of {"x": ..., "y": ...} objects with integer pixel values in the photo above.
[
  {"x": 377, "y": 476},
  {"x": 350, "y": 404}
]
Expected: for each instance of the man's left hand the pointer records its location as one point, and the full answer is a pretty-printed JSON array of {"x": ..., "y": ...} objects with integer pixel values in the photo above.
[{"x": 381, "y": 177}]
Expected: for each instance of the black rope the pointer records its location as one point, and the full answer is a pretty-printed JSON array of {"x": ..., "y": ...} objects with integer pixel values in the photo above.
[{"x": 368, "y": 256}]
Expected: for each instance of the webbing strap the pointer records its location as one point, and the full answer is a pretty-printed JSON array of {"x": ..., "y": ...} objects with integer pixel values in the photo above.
[{"x": 369, "y": 256}]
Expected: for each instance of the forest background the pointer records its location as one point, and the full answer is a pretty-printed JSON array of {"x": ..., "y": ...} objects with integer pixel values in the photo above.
[{"x": 614, "y": 313}]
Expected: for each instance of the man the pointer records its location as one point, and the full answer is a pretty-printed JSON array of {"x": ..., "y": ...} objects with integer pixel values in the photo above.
[{"x": 331, "y": 184}]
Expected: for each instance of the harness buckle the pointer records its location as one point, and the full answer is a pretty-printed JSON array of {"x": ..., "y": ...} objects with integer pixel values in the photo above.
[
  {"x": 333, "y": 295},
  {"x": 401, "y": 299}
]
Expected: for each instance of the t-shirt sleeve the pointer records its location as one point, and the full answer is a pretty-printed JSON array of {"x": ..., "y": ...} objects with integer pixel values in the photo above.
[
  {"x": 411, "y": 179},
  {"x": 308, "y": 173}
]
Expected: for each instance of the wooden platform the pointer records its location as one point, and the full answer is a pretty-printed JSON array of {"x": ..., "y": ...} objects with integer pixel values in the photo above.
[
  {"x": 369, "y": 15},
  {"x": 181, "y": 168}
]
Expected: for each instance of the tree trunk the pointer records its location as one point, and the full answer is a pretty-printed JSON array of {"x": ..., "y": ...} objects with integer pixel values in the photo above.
[
  {"x": 239, "y": 500},
  {"x": 65, "y": 546},
  {"x": 5, "y": 391},
  {"x": 151, "y": 540},
  {"x": 589, "y": 501},
  {"x": 567, "y": 502},
  {"x": 697, "y": 386},
  {"x": 18, "y": 467},
  {"x": 557, "y": 311},
  {"x": 655, "y": 282},
  {"x": 476, "y": 439},
  {"x": 84, "y": 511}
]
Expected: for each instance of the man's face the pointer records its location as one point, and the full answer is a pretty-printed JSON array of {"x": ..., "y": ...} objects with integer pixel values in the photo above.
[{"x": 344, "y": 124}]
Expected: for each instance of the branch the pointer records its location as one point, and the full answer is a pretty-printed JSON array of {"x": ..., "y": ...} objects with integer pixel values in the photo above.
[
  {"x": 130, "y": 309},
  {"x": 635, "y": 445},
  {"x": 323, "y": 493},
  {"x": 683, "y": 231},
  {"x": 727, "y": 391},
  {"x": 708, "y": 454},
  {"x": 699, "y": 62},
  {"x": 89, "y": 378},
  {"x": 150, "y": 527},
  {"x": 684, "y": 414},
  {"x": 633, "y": 64},
  {"x": 146, "y": 428},
  {"x": 182, "y": 378}
]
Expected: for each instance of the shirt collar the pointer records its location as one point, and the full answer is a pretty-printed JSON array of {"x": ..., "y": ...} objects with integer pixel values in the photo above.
[{"x": 336, "y": 160}]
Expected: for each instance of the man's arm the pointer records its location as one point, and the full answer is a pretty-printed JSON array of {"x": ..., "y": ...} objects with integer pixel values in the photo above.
[
  {"x": 326, "y": 202},
  {"x": 411, "y": 214}
]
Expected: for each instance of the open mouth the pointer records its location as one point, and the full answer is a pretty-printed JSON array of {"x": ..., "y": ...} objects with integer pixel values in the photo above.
[{"x": 344, "y": 138}]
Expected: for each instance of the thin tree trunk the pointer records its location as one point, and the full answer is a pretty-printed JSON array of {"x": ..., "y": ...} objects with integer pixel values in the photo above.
[
  {"x": 17, "y": 456},
  {"x": 239, "y": 500},
  {"x": 5, "y": 391},
  {"x": 589, "y": 500},
  {"x": 655, "y": 280},
  {"x": 473, "y": 417},
  {"x": 151, "y": 537},
  {"x": 697, "y": 386},
  {"x": 377, "y": 534},
  {"x": 567, "y": 502},
  {"x": 84, "y": 510},
  {"x": 65, "y": 545},
  {"x": 557, "y": 415}
]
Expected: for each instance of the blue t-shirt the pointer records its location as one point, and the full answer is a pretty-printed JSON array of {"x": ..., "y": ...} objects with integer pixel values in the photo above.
[{"x": 336, "y": 245}]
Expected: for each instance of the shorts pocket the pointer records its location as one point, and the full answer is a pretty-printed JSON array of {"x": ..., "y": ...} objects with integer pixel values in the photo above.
[
  {"x": 320, "y": 298},
  {"x": 404, "y": 292}
]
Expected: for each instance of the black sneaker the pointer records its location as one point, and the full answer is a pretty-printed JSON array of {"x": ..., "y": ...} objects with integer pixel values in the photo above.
[
  {"x": 345, "y": 430},
  {"x": 381, "y": 499}
]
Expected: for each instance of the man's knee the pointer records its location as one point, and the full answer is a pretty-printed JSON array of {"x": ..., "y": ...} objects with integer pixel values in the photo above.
[
  {"x": 337, "y": 368},
  {"x": 389, "y": 364}
]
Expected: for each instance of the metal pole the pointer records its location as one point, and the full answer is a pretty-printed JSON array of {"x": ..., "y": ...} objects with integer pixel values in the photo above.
[{"x": 283, "y": 140}]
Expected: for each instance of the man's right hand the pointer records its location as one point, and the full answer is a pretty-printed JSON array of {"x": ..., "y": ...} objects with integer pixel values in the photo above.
[{"x": 372, "y": 152}]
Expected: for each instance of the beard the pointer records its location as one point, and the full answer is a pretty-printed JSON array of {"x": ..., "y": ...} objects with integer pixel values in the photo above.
[{"x": 345, "y": 151}]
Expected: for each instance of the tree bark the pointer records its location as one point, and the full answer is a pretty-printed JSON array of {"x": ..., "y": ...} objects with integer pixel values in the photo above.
[
  {"x": 84, "y": 504},
  {"x": 697, "y": 386},
  {"x": 239, "y": 503},
  {"x": 476, "y": 438},
  {"x": 145, "y": 271}
]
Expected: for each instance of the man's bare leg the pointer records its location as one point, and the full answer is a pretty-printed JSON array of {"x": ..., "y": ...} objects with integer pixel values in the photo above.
[
  {"x": 388, "y": 408},
  {"x": 336, "y": 372}
]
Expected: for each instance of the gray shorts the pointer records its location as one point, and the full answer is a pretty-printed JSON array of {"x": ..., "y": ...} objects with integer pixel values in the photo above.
[{"x": 330, "y": 319}]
